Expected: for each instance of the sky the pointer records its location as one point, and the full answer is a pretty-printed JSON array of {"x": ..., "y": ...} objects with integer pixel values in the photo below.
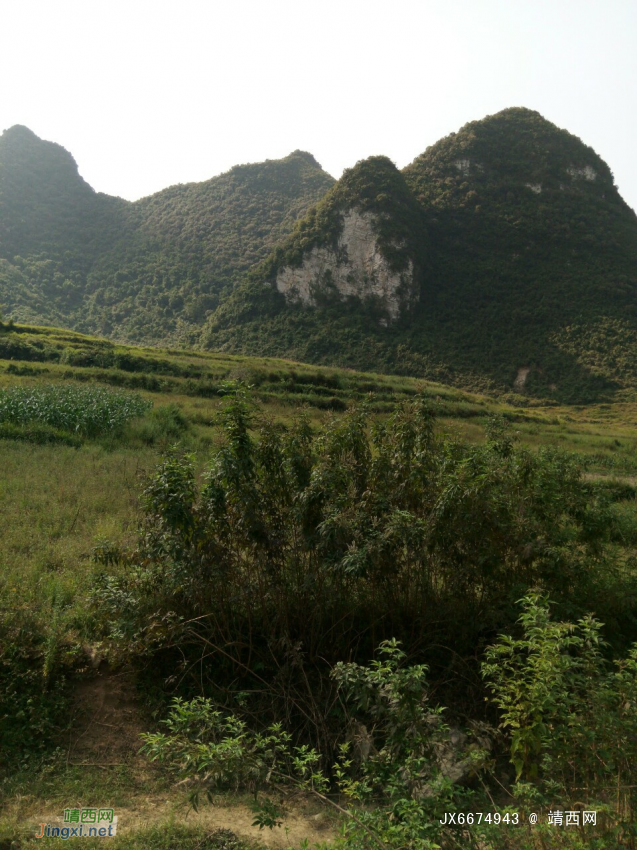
[{"x": 149, "y": 94}]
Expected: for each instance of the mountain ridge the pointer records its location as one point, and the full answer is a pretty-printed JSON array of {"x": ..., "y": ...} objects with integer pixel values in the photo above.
[
  {"x": 530, "y": 249},
  {"x": 493, "y": 260},
  {"x": 146, "y": 270}
]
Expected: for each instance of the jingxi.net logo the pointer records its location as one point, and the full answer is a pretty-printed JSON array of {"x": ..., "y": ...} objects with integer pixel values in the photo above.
[{"x": 82, "y": 823}]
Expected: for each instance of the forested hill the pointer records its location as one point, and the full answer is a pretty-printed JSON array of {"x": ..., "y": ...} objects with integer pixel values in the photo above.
[
  {"x": 146, "y": 271},
  {"x": 53, "y": 227},
  {"x": 536, "y": 256},
  {"x": 190, "y": 244},
  {"x": 46, "y": 207},
  {"x": 529, "y": 281},
  {"x": 502, "y": 258}
]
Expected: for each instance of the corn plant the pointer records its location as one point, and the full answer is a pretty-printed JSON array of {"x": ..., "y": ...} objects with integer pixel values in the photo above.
[{"x": 86, "y": 411}]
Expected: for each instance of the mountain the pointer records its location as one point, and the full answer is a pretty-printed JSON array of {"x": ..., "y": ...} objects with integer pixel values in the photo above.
[
  {"x": 524, "y": 269},
  {"x": 53, "y": 226},
  {"x": 149, "y": 270},
  {"x": 46, "y": 207},
  {"x": 503, "y": 258},
  {"x": 189, "y": 245},
  {"x": 535, "y": 247},
  {"x": 352, "y": 268}
]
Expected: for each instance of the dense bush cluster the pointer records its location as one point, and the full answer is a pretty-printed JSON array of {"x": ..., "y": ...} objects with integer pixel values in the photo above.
[
  {"x": 569, "y": 720},
  {"x": 302, "y": 549}
]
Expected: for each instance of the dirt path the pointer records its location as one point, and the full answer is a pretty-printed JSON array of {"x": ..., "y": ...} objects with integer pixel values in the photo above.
[
  {"x": 107, "y": 722},
  {"x": 153, "y": 810}
]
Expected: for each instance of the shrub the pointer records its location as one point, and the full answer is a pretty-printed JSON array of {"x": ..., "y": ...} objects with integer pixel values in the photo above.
[
  {"x": 399, "y": 774},
  {"x": 568, "y": 712},
  {"x": 303, "y": 549},
  {"x": 32, "y": 685}
]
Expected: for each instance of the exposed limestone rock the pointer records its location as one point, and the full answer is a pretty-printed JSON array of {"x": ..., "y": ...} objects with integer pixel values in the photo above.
[
  {"x": 463, "y": 166},
  {"x": 356, "y": 268},
  {"x": 520, "y": 380},
  {"x": 534, "y": 187},
  {"x": 588, "y": 172},
  {"x": 459, "y": 755}
]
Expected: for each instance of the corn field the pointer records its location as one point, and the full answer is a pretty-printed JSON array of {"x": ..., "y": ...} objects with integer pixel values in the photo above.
[{"x": 86, "y": 411}]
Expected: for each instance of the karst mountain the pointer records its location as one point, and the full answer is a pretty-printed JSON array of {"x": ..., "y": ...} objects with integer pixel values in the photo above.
[{"x": 501, "y": 258}]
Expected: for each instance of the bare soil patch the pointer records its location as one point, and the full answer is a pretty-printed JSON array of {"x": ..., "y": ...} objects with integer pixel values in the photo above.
[{"x": 107, "y": 720}]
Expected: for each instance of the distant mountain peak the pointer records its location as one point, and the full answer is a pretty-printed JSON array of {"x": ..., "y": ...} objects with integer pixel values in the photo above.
[
  {"x": 515, "y": 150},
  {"x": 19, "y": 131},
  {"x": 308, "y": 157},
  {"x": 24, "y": 156}
]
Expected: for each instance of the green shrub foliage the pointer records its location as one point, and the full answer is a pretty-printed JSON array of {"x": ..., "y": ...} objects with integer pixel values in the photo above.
[
  {"x": 568, "y": 711},
  {"x": 300, "y": 549},
  {"x": 569, "y": 715},
  {"x": 398, "y": 771}
]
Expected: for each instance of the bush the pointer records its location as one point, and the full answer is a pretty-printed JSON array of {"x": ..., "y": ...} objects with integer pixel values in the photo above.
[
  {"x": 164, "y": 426},
  {"x": 303, "y": 549},
  {"x": 32, "y": 685},
  {"x": 398, "y": 772},
  {"x": 569, "y": 714}
]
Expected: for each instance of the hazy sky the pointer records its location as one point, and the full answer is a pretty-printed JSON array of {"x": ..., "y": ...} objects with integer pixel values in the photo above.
[{"x": 147, "y": 94}]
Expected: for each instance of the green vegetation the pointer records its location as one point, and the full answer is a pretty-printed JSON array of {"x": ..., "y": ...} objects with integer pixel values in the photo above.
[
  {"x": 523, "y": 263},
  {"x": 572, "y": 729},
  {"x": 395, "y": 597},
  {"x": 523, "y": 252},
  {"x": 254, "y": 318},
  {"x": 374, "y": 186},
  {"x": 46, "y": 354},
  {"x": 147, "y": 271},
  {"x": 568, "y": 712},
  {"x": 338, "y": 539},
  {"x": 87, "y": 411},
  {"x": 323, "y": 563}
]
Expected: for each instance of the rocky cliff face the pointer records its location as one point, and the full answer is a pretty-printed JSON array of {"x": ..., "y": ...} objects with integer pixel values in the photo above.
[{"x": 356, "y": 267}]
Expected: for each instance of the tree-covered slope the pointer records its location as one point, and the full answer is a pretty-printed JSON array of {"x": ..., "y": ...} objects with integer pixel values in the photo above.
[
  {"x": 529, "y": 280},
  {"x": 191, "y": 244},
  {"x": 149, "y": 270},
  {"x": 534, "y": 245},
  {"x": 338, "y": 328},
  {"x": 53, "y": 226}
]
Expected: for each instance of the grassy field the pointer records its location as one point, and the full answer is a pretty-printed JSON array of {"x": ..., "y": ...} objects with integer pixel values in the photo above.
[
  {"x": 57, "y": 502},
  {"x": 66, "y": 493}
]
